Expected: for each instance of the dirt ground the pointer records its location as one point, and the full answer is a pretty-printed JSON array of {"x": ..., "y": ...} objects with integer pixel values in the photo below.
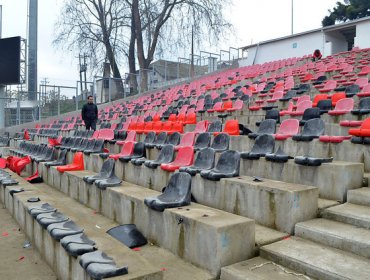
[{"x": 16, "y": 262}]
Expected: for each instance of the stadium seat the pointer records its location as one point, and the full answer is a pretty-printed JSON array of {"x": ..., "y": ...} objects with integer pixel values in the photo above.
[
  {"x": 319, "y": 97},
  {"x": 309, "y": 114},
  {"x": 139, "y": 151},
  {"x": 312, "y": 129},
  {"x": 287, "y": 111},
  {"x": 333, "y": 139},
  {"x": 279, "y": 156},
  {"x": 365, "y": 92},
  {"x": 20, "y": 164},
  {"x": 272, "y": 114},
  {"x": 301, "y": 107},
  {"x": 227, "y": 166},
  {"x": 77, "y": 244},
  {"x": 201, "y": 127},
  {"x": 184, "y": 157},
  {"x": 187, "y": 140},
  {"x": 342, "y": 107},
  {"x": 176, "y": 194},
  {"x": 221, "y": 142},
  {"x": 263, "y": 145},
  {"x": 166, "y": 155},
  {"x": 363, "y": 107},
  {"x": 266, "y": 127},
  {"x": 324, "y": 105},
  {"x": 149, "y": 138},
  {"x": 172, "y": 139},
  {"x": 106, "y": 134},
  {"x": 238, "y": 106},
  {"x": 131, "y": 137},
  {"x": 203, "y": 141},
  {"x": 289, "y": 95},
  {"x": 352, "y": 90},
  {"x": 104, "y": 172},
  {"x": 159, "y": 140},
  {"x": 287, "y": 129},
  {"x": 311, "y": 161},
  {"x": 61, "y": 160},
  {"x": 215, "y": 126},
  {"x": 76, "y": 165},
  {"x": 363, "y": 131},
  {"x": 336, "y": 97},
  {"x": 231, "y": 128},
  {"x": 127, "y": 150},
  {"x": 98, "y": 147},
  {"x": 204, "y": 160},
  {"x": 347, "y": 123},
  {"x": 365, "y": 71}
]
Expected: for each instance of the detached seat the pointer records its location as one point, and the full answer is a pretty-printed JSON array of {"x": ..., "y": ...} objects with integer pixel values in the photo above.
[
  {"x": 60, "y": 230},
  {"x": 46, "y": 219},
  {"x": 98, "y": 265},
  {"x": 77, "y": 244},
  {"x": 311, "y": 161},
  {"x": 128, "y": 235},
  {"x": 228, "y": 166},
  {"x": 166, "y": 155},
  {"x": 176, "y": 194},
  {"x": 263, "y": 145},
  {"x": 205, "y": 160},
  {"x": 311, "y": 130}
]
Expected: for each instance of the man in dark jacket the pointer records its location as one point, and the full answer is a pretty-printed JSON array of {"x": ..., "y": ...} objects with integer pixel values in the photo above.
[{"x": 90, "y": 114}]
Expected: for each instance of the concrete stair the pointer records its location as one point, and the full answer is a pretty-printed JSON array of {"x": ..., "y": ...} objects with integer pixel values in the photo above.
[
  {"x": 357, "y": 215},
  {"x": 359, "y": 196},
  {"x": 316, "y": 260}
]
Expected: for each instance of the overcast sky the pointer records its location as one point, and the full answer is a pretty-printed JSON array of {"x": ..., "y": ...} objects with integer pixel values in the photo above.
[{"x": 254, "y": 21}]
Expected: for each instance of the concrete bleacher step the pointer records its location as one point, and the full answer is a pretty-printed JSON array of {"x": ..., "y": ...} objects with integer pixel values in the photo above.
[
  {"x": 359, "y": 196},
  {"x": 183, "y": 231},
  {"x": 324, "y": 204},
  {"x": 336, "y": 234},
  {"x": 357, "y": 215},
  {"x": 316, "y": 260},
  {"x": 259, "y": 269}
]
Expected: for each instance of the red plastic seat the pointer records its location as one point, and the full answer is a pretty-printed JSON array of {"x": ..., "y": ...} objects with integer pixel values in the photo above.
[
  {"x": 148, "y": 127},
  {"x": 225, "y": 106},
  {"x": 336, "y": 97},
  {"x": 18, "y": 164},
  {"x": 26, "y": 136},
  {"x": 347, "y": 123},
  {"x": 131, "y": 137},
  {"x": 276, "y": 96},
  {"x": 364, "y": 71},
  {"x": 365, "y": 92},
  {"x": 55, "y": 142},
  {"x": 333, "y": 139},
  {"x": 238, "y": 105},
  {"x": 201, "y": 127},
  {"x": 167, "y": 126},
  {"x": 106, "y": 134},
  {"x": 307, "y": 77},
  {"x": 3, "y": 163},
  {"x": 288, "y": 110},
  {"x": 132, "y": 126},
  {"x": 231, "y": 128},
  {"x": 76, "y": 165},
  {"x": 187, "y": 140},
  {"x": 287, "y": 129},
  {"x": 156, "y": 118},
  {"x": 342, "y": 107},
  {"x": 191, "y": 118},
  {"x": 329, "y": 86},
  {"x": 184, "y": 157},
  {"x": 362, "y": 82},
  {"x": 319, "y": 97},
  {"x": 363, "y": 131},
  {"x": 127, "y": 150},
  {"x": 181, "y": 117},
  {"x": 176, "y": 127},
  {"x": 140, "y": 127},
  {"x": 172, "y": 117},
  {"x": 301, "y": 107},
  {"x": 157, "y": 127},
  {"x": 217, "y": 106}
]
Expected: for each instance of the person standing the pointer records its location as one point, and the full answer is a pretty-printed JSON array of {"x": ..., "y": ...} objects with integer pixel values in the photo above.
[{"x": 90, "y": 113}]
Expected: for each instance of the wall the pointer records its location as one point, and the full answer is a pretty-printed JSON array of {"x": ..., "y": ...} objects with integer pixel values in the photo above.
[
  {"x": 338, "y": 42},
  {"x": 362, "y": 39},
  {"x": 286, "y": 48}
]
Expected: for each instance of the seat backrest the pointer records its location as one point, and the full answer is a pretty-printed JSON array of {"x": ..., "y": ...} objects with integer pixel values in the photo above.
[
  {"x": 289, "y": 126},
  {"x": 366, "y": 88},
  {"x": 139, "y": 149},
  {"x": 366, "y": 124},
  {"x": 99, "y": 145},
  {"x": 127, "y": 148},
  {"x": 227, "y": 105},
  {"x": 311, "y": 113},
  {"x": 131, "y": 136},
  {"x": 344, "y": 104},
  {"x": 362, "y": 82},
  {"x": 166, "y": 154},
  {"x": 173, "y": 139},
  {"x": 203, "y": 140},
  {"x": 228, "y": 162},
  {"x": 267, "y": 126},
  {"x": 149, "y": 138},
  {"x": 217, "y": 105},
  {"x": 107, "y": 168},
  {"x": 263, "y": 144},
  {"x": 161, "y": 138},
  {"x": 187, "y": 139},
  {"x": 324, "y": 105},
  {"x": 337, "y": 96},
  {"x": 178, "y": 188},
  {"x": 62, "y": 156},
  {"x": 364, "y": 103},
  {"x": 232, "y": 127},
  {"x": 303, "y": 105},
  {"x": 185, "y": 156},
  {"x": 314, "y": 127},
  {"x": 273, "y": 114},
  {"x": 205, "y": 158},
  {"x": 215, "y": 126},
  {"x": 319, "y": 97},
  {"x": 221, "y": 142},
  {"x": 78, "y": 158}
]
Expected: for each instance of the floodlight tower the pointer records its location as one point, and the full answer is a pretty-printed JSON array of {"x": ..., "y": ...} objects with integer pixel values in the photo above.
[{"x": 32, "y": 50}]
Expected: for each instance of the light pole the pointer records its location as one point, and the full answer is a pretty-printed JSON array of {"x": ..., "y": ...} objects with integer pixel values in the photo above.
[{"x": 292, "y": 15}]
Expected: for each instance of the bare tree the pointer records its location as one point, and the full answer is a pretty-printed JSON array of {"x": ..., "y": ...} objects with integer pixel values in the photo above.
[{"x": 95, "y": 27}]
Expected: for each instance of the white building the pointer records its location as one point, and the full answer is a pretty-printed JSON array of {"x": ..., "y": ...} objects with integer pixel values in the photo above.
[{"x": 330, "y": 40}]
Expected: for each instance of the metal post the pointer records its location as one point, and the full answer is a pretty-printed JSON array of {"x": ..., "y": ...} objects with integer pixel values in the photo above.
[
  {"x": 32, "y": 50},
  {"x": 58, "y": 101},
  {"x": 39, "y": 102},
  {"x": 77, "y": 96},
  {"x": 292, "y": 15},
  {"x": 18, "y": 110},
  {"x": 2, "y": 88},
  {"x": 109, "y": 90}
]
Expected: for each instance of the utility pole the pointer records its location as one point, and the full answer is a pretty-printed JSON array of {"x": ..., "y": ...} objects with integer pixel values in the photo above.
[
  {"x": 192, "y": 52},
  {"x": 83, "y": 69},
  {"x": 292, "y": 16}
]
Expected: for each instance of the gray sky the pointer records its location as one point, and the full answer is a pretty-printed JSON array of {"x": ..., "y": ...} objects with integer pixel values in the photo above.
[{"x": 254, "y": 21}]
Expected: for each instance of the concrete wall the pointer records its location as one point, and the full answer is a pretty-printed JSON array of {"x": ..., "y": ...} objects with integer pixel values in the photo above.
[
  {"x": 338, "y": 42},
  {"x": 362, "y": 38}
]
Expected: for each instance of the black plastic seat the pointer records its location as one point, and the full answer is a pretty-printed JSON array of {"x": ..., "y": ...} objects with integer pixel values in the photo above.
[
  {"x": 61, "y": 160},
  {"x": 227, "y": 166},
  {"x": 311, "y": 161},
  {"x": 172, "y": 139},
  {"x": 77, "y": 244},
  {"x": 46, "y": 219},
  {"x": 263, "y": 145},
  {"x": 98, "y": 265},
  {"x": 215, "y": 126},
  {"x": 221, "y": 142},
  {"x": 128, "y": 235},
  {"x": 311, "y": 130},
  {"x": 302, "y": 88},
  {"x": 9, "y": 182},
  {"x": 272, "y": 114},
  {"x": 309, "y": 114},
  {"x": 98, "y": 147},
  {"x": 320, "y": 80},
  {"x": 289, "y": 95},
  {"x": 149, "y": 138},
  {"x": 352, "y": 90},
  {"x": 36, "y": 210},
  {"x": 59, "y": 230},
  {"x": 139, "y": 152},
  {"x": 204, "y": 160},
  {"x": 82, "y": 146},
  {"x": 266, "y": 127},
  {"x": 176, "y": 194},
  {"x": 159, "y": 140},
  {"x": 278, "y": 156},
  {"x": 49, "y": 156},
  {"x": 363, "y": 107},
  {"x": 324, "y": 105},
  {"x": 166, "y": 155},
  {"x": 104, "y": 173},
  {"x": 111, "y": 181},
  {"x": 203, "y": 141}
]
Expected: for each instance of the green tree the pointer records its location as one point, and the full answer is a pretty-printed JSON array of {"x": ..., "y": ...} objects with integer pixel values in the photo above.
[{"x": 349, "y": 10}]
